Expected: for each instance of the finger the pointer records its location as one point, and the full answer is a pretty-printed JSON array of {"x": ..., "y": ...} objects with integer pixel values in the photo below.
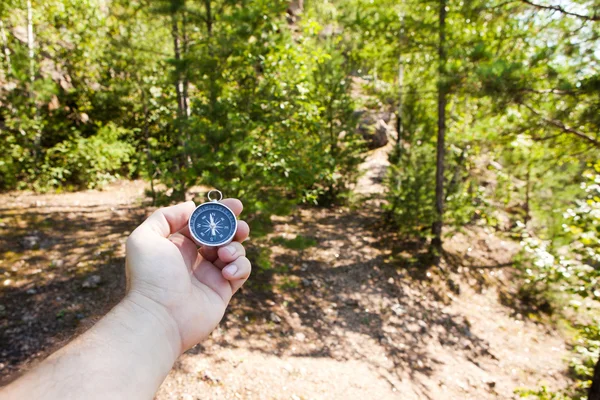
[
  {"x": 185, "y": 231},
  {"x": 237, "y": 273},
  {"x": 188, "y": 249},
  {"x": 168, "y": 220},
  {"x": 209, "y": 253},
  {"x": 234, "y": 204},
  {"x": 243, "y": 230},
  {"x": 229, "y": 254},
  {"x": 209, "y": 275}
]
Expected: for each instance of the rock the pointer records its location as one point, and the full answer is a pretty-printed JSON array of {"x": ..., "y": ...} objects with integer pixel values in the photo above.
[
  {"x": 296, "y": 7},
  {"x": 380, "y": 138},
  {"x": 300, "y": 336},
  {"x": 92, "y": 282},
  {"x": 28, "y": 317},
  {"x": 351, "y": 302},
  {"x": 31, "y": 242},
  {"x": 373, "y": 129},
  {"x": 294, "y": 11},
  {"x": 306, "y": 282},
  {"x": 57, "y": 263},
  {"x": 275, "y": 318},
  {"x": 453, "y": 286},
  {"x": 31, "y": 291},
  {"x": 397, "y": 309},
  {"x": 386, "y": 116},
  {"x": 208, "y": 377}
]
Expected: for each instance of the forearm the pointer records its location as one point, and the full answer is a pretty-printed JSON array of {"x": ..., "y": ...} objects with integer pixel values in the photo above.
[{"x": 126, "y": 355}]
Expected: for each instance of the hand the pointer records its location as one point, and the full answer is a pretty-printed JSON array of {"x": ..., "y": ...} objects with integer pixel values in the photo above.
[{"x": 168, "y": 276}]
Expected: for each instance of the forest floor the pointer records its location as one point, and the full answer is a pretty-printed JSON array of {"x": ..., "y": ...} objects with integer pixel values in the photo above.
[{"x": 336, "y": 317}]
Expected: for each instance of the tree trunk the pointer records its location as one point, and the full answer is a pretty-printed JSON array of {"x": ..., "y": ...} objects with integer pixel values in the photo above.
[
  {"x": 181, "y": 107},
  {"x": 6, "y": 50},
  {"x": 400, "y": 89},
  {"x": 177, "y": 51},
  {"x": 594, "y": 393},
  {"x": 30, "y": 45},
  {"x": 186, "y": 78},
  {"x": 527, "y": 206},
  {"x": 209, "y": 19},
  {"x": 436, "y": 228}
]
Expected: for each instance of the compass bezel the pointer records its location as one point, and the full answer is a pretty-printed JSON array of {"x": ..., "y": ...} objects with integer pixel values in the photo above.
[{"x": 196, "y": 213}]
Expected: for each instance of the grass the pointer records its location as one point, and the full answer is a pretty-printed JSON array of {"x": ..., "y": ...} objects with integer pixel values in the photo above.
[{"x": 298, "y": 243}]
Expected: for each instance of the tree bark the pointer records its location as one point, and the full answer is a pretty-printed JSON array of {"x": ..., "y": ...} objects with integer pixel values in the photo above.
[
  {"x": 209, "y": 18},
  {"x": 6, "y": 50},
  {"x": 400, "y": 89},
  {"x": 177, "y": 51},
  {"x": 30, "y": 45},
  {"x": 181, "y": 107},
  {"x": 528, "y": 185},
  {"x": 594, "y": 393},
  {"x": 436, "y": 228},
  {"x": 186, "y": 78}
]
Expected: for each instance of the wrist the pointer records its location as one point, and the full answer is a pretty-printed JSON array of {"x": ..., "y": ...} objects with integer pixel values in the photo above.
[{"x": 152, "y": 319}]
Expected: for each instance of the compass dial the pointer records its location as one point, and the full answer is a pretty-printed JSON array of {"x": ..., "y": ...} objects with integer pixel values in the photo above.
[{"x": 212, "y": 224}]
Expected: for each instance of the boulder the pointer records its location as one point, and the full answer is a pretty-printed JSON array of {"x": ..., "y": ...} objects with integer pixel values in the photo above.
[{"x": 374, "y": 131}]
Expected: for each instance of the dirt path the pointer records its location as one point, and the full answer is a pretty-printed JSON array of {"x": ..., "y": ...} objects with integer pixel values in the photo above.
[
  {"x": 336, "y": 317},
  {"x": 358, "y": 327}
]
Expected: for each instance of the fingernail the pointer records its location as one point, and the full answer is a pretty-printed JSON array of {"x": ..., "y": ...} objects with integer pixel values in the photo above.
[
  {"x": 231, "y": 269},
  {"x": 230, "y": 250}
]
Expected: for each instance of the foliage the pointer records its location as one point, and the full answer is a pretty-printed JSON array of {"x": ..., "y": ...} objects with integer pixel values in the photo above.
[
  {"x": 573, "y": 270},
  {"x": 237, "y": 95},
  {"x": 183, "y": 93},
  {"x": 87, "y": 162}
]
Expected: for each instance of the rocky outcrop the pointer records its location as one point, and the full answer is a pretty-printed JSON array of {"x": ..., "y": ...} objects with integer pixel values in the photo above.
[{"x": 374, "y": 128}]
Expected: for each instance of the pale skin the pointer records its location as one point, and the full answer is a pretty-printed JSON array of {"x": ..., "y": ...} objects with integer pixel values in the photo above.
[{"x": 176, "y": 295}]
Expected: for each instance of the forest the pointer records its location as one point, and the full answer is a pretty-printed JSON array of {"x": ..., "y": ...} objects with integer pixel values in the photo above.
[{"x": 484, "y": 116}]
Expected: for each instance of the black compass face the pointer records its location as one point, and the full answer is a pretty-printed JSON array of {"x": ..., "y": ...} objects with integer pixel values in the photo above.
[{"x": 213, "y": 224}]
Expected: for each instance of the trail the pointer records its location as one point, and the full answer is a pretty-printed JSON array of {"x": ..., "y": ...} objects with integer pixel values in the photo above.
[
  {"x": 343, "y": 322},
  {"x": 339, "y": 319}
]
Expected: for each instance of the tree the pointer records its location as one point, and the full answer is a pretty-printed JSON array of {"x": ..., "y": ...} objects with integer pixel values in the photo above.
[
  {"x": 436, "y": 228},
  {"x": 594, "y": 392}
]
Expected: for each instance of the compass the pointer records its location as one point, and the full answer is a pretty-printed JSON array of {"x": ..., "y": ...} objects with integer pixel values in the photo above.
[{"x": 212, "y": 223}]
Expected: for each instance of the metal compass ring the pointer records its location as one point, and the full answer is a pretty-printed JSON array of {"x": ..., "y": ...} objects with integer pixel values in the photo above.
[{"x": 215, "y": 191}]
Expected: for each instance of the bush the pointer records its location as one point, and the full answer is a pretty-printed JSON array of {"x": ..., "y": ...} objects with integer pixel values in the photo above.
[{"x": 87, "y": 162}]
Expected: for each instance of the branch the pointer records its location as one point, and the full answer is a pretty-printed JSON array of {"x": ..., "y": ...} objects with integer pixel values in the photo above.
[
  {"x": 563, "y": 126},
  {"x": 593, "y": 17},
  {"x": 549, "y": 91}
]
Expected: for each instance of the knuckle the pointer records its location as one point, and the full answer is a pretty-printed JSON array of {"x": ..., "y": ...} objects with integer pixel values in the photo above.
[
  {"x": 246, "y": 262},
  {"x": 132, "y": 240},
  {"x": 240, "y": 247}
]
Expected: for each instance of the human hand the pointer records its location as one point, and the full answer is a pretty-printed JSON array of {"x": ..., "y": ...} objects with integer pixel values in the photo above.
[{"x": 168, "y": 277}]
